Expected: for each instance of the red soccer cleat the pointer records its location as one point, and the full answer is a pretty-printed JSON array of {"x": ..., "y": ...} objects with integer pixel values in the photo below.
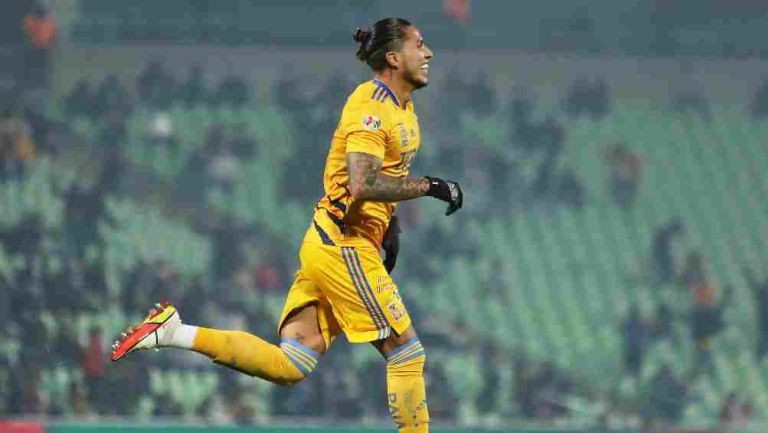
[{"x": 149, "y": 333}]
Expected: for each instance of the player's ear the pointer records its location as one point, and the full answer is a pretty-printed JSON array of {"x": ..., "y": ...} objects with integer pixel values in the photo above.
[{"x": 393, "y": 59}]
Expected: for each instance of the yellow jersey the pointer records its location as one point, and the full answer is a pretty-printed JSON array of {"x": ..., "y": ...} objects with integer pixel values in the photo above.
[{"x": 374, "y": 122}]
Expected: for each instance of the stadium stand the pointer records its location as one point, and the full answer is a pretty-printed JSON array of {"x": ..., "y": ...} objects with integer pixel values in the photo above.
[{"x": 544, "y": 275}]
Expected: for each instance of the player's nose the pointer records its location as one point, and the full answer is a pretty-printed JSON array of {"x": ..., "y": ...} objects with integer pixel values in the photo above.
[{"x": 428, "y": 54}]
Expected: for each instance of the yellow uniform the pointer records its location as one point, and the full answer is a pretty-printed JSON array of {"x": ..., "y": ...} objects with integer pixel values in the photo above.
[{"x": 341, "y": 268}]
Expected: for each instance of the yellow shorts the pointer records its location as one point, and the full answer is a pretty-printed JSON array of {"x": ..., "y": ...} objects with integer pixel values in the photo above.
[{"x": 353, "y": 292}]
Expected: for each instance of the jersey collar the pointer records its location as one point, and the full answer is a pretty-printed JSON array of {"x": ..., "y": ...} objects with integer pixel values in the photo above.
[{"x": 386, "y": 88}]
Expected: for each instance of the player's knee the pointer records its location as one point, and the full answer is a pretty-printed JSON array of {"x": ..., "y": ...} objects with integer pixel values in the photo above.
[
  {"x": 302, "y": 357},
  {"x": 316, "y": 343},
  {"x": 308, "y": 338}
]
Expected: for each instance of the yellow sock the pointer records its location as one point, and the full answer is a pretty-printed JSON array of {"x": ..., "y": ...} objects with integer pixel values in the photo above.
[
  {"x": 406, "y": 391},
  {"x": 287, "y": 364}
]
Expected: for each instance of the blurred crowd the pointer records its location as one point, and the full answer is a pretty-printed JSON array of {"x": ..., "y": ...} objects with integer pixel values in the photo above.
[{"x": 55, "y": 288}]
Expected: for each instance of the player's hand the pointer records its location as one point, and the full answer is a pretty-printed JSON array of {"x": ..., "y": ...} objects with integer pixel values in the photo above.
[
  {"x": 447, "y": 191},
  {"x": 391, "y": 244}
]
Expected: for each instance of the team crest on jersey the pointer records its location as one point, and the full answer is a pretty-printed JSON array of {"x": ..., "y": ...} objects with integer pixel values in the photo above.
[{"x": 371, "y": 123}]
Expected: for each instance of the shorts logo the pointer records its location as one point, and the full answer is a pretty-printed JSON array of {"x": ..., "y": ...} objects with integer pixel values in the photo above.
[
  {"x": 395, "y": 310},
  {"x": 383, "y": 284},
  {"x": 371, "y": 123}
]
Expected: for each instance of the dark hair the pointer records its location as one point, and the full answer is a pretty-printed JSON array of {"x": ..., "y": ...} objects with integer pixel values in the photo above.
[{"x": 374, "y": 42}]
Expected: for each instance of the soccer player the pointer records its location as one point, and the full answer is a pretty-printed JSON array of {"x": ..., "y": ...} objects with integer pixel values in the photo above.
[{"x": 342, "y": 284}]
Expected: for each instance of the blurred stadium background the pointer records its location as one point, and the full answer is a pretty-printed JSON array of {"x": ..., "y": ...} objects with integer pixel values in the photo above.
[{"x": 609, "y": 270}]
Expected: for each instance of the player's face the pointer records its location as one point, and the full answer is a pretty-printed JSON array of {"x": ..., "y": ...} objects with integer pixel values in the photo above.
[{"x": 415, "y": 56}]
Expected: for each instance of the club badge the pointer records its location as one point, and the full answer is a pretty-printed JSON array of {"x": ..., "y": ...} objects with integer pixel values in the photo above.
[{"x": 395, "y": 310}]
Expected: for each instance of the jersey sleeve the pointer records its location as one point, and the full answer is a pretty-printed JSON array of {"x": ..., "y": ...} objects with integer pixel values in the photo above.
[{"x": 364, "y": 125}]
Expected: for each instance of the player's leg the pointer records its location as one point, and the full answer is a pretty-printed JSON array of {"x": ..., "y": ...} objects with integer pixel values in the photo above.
[
  {"x": 303, "y": 326},
  {"x": 287, "y": 364},
  {"x": 294, "y": 359},
  {"x": 406, "y": 390},
  {"x": 367, "y": 304}
]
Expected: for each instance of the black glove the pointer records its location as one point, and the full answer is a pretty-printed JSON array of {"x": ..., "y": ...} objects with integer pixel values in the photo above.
[
  {"x": 447, "y": 191},
  {"x": 391, "y": 244}
]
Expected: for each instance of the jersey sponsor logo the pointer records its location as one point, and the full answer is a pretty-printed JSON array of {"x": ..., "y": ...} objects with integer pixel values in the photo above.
[{"x": 371, "y": 123}]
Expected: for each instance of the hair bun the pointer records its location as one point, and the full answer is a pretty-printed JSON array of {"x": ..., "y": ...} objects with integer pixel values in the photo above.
[{"x": 362, "y": 35}]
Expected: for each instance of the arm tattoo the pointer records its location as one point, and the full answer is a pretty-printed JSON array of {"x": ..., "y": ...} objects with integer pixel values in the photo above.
[{"x": 367, "y": 182}]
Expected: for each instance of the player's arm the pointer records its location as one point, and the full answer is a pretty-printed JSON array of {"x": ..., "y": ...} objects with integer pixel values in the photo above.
[
  {"x": 366, "y": 182},
  {"x": 366, "y": 136}
]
